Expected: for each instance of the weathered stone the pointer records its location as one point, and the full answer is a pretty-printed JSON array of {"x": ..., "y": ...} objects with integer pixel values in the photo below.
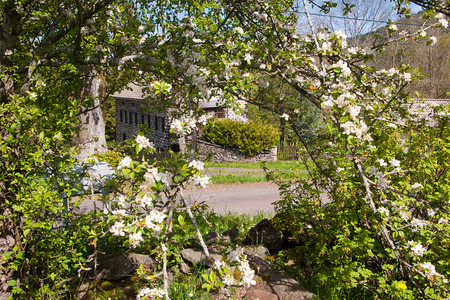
[
  {"x": 281, "y": 284},
  {"x": 116, "y": 266},
  {"x": 211, "y": 236},
  {"x": 230, "y": 235},
  {"x": 198, "y": 257},
  {"x": 258, "y": 294},
  {"x": 218, "y": 153},
  {"x": 220, "y": 294},
  {"x": 266, "y": 234},
  {"x": 185, "y": 268},
  {"x": 258, "y": 250}
]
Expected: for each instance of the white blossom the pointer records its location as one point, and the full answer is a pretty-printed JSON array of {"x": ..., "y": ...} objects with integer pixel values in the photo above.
[
  {"x": 418, "y": 250},
  {"x": 443, "y": 23},
  {"x": 417, "y": 186},
  {"x": 199, "y": 165},
  {"x": 248, "y": 57},
  {"x": 202, "y": 181},
  {"x": 394, "y": 162},
  {"x": 239, "y": 30},
  {"x": 144, "y": 142},
  {"x": 228, "y": 280},
  {"x": 118, "y": 229},
  {"x": 146, "y": 201},
  {"x": 177, "y": 127},
  {"x": 382, "y": 162},
  {"x": 433, "y": 40},
  {"x": 125, "y": 163},
  {"x": 285, "y": 116},
  {"x": 418, "y": 223},
  {"x": 405, "y": 215},
  {"x": 136, "y": 238},
  {"x": 405, "y": 76},
  {"x": 383, "y": 211},
  {"x": 147, "y": 292},
  {"x": 393, "y": 27},
  {"x": 340, "y": 35}
]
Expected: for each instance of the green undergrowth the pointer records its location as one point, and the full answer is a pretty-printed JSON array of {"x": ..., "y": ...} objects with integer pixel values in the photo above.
[{"x": 220, "y": 223}]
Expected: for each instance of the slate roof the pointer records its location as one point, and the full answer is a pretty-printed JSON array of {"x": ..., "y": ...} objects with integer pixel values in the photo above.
[{"x": 134, "y": 92}]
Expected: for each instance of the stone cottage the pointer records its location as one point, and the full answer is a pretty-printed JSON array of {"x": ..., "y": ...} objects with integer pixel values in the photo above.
[{"x": 132, "y": 113}]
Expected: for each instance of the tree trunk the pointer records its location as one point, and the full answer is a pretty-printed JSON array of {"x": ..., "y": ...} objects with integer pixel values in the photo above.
[{"x": 91, "y": 136}]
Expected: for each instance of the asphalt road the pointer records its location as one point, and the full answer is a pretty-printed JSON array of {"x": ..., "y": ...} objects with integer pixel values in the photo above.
[{"x": 248, "y": 198}]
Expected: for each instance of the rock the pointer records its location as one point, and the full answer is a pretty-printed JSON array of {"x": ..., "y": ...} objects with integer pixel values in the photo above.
[
  {"x": 116, "y": 266},
  {"x": 266, "y": 234},
  {"x": 184, "y": 268},
  {"x": 281, "y": 284},
  {"x": 220, "y": 294},
  {"x": 258, "y": 250},
  {"x": 211, "y": 236},
  {"x": 230, "y": 235},
  {"x": 198, "y": 257},
  {"x": 258, "y": 294}
]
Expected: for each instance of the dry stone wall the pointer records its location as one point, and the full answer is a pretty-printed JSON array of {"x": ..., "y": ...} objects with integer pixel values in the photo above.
[{"x": 217, "y": 153}]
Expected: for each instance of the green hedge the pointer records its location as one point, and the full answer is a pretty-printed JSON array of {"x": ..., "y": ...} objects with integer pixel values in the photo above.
[{"x": 250, "y": 138}]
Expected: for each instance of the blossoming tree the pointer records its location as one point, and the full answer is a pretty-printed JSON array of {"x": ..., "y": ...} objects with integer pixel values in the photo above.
[{"x": 382, "y": 163}]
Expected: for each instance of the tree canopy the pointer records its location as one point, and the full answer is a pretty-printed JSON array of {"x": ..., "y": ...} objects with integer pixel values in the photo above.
[{"x": 382, "y": 161}]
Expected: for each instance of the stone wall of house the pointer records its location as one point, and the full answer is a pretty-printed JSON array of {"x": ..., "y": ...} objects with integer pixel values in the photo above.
[
  {"x": 131, "y": 115},
  {"x": 218, "y": 153}
]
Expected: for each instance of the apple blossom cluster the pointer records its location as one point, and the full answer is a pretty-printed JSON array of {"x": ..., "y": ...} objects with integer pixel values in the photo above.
[
  {"x": 144, "y": 142},
  {"x": 430, "y": 271},
  {"x": 147, "y": 293},
  {"x": 187, "y": 124},
  {"x": 133, "y": 227},
  {"x": 235, "y": 259}
]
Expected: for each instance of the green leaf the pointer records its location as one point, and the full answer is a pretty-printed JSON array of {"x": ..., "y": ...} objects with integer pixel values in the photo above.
[
  {"x": 205, "y": 276},
  {"x": 11, "y": 283},
  {"x": 212, "y": 276}
]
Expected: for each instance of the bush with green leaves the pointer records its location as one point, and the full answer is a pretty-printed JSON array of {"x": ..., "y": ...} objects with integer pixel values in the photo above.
[{"x": 250, "y": 137}]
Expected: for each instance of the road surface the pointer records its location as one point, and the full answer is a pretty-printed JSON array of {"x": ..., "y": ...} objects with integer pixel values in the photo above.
[{"x": 248, "y": 198}]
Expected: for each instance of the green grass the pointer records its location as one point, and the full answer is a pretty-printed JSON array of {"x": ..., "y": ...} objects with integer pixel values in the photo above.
[
  {"x": 249, "y": 178},
  {"x": 272, "y": 165}
]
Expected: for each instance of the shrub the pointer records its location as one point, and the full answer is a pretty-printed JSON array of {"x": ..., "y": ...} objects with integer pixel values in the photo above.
[{"x": 250, "y": 138}]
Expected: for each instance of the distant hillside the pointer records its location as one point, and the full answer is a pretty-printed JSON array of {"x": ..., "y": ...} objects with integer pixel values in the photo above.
[{"x": 433, "y": 60}]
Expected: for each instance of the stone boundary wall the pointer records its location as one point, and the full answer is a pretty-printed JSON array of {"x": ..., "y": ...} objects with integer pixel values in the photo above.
[{"x": 216, "y": 153}]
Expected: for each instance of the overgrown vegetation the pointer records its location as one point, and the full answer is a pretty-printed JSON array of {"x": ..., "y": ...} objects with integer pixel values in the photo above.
[{"x": 379, "y": 154}]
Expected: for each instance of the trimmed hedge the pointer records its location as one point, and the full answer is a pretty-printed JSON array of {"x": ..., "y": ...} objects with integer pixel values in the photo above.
[{"x": 250, "y": 138}]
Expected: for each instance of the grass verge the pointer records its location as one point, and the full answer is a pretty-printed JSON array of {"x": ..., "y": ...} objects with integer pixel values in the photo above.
[
  {"x": 248, "y": 178},
  {"x": 272, "y": 165}
]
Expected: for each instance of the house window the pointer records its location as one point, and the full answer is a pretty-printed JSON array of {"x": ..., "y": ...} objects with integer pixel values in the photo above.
[
  {"x": 149, "y": 121},
  {"x": 125, "y": 116},
  {"x": 220, "y": 113},
  {"x": 124, "y": 136},
  {"x": 123, "y": 103},
  {"x": 142, "y": 119},
  {"x": 156, "y": 123},
  {"x": 136, "y": 118},
  {"x": 121, "y": 115},
  {"x": 131, "y": 117},
  {"x": 161, "y": 125}
]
